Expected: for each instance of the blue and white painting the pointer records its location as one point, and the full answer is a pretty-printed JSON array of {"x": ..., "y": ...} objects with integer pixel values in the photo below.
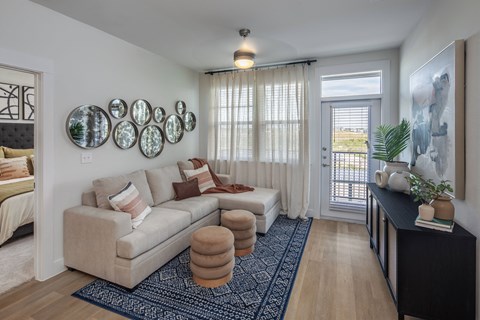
[{"x": 434, "y": 113}]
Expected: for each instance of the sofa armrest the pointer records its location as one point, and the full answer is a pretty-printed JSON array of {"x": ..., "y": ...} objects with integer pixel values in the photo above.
[
  {"x": 90, "y": 239},
  {"x": 225, "y": 178}
]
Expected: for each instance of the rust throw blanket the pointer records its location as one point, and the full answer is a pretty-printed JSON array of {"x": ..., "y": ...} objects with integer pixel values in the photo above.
[{"x": 220, "y": 187}]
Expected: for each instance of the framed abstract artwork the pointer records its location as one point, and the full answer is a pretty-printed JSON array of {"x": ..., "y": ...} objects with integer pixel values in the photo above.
[
  {"x": 28, "y": 95},
  {"x": 9, "y": 109},
  {"x": 438, "y": 118}
]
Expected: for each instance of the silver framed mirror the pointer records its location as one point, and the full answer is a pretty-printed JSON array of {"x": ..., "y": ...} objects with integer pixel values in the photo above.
[
  {"x": 159, "y": 114},
  {"x": 88, "y": 126},
  {"x": 181, "y": 107},
  {"x": 118, "y": 108},
  {"x": 190, "y": 121},
  {"x": 173, "y": 128},
  {"x": 125, "y": 134},
  {"x": 151, "y": 141},
  {"x": 141, "y": 112}
]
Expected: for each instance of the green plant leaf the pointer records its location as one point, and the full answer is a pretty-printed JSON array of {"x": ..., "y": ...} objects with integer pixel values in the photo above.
[{"x": 390, "y": 140}]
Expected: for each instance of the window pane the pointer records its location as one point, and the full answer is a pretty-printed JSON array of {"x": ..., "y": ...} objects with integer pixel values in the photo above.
[{"x": 352, "y": 84}]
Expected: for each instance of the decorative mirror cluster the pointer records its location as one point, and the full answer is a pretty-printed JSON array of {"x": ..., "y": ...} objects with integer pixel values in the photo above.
[{"x": 89, "y": 126}]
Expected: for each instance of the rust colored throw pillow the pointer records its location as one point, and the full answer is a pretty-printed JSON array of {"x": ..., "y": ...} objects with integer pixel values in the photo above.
[
  {"x": 13, "y": 168},
  {"x": 15, "y": 153},
  {"x": 130, "y": 201},
  {"x": 184, "y": 190},
  {"x": 205, "y": 180}
]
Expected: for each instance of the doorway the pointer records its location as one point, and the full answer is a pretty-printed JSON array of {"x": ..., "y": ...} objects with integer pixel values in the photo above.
[{"x": 346, "y": 165}]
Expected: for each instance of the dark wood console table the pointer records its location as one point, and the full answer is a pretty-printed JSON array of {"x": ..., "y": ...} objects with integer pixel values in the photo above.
[{"x": 430, "y": 274}]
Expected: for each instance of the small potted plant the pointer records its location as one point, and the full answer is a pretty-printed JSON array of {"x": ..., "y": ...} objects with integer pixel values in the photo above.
[
  {"x": 390, "y": 141},
  {"x": 424, "y": 191},
  {"x": 442, "y": 201}
]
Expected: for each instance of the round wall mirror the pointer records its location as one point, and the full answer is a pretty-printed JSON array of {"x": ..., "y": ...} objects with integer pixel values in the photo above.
[
  {"x": 173, "y": 128},
  {"x": 141, "y": 112},
  {"x": 152, "y": 141},
  {"x": 125, "y": 134},
  {"x": 190, "y": 121},
  {"x": 118, "y": 108},
  {"x": 88, "y": 126},
  {"x": 159, "y": 114},
  {"x": 181, "y": 107}
]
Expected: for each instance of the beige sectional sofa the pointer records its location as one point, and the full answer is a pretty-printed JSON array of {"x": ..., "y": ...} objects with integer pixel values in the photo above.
[{"x": 102, "y": 242}]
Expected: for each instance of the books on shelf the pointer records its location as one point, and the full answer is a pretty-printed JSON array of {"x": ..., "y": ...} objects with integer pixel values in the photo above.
[{"x": 436, "y": 224}]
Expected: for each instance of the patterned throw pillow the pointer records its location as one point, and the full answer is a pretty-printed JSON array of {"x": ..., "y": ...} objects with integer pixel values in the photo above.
[
  {"x": 205, "y": 180},
  {"x": 130, "y": 201},
  {"x": 13, "y": 168}
]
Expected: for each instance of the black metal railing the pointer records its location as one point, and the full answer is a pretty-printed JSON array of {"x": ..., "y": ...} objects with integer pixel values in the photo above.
[{"x": 348, "y": 176}]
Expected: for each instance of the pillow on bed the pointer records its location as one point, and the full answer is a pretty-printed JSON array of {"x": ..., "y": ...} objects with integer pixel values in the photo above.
[
  {"x": 129, "y": 200},
  {"x": 2, "y": 154},
  {"x": 13, "y": 168},
  {"x": 15, "y": 153}
]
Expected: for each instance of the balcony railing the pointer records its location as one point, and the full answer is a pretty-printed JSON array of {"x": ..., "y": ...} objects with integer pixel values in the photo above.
[{"x": 348, "y": 176}]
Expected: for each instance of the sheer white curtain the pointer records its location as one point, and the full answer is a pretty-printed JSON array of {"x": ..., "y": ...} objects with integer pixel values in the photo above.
[{"x": 258, "y": 131}]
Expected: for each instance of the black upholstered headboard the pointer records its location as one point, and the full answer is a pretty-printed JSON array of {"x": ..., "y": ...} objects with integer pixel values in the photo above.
[{"x": 16, "y": 135}]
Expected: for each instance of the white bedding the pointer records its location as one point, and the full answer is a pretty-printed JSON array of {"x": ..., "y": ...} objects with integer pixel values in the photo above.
[{"x": 15, "y": 211}]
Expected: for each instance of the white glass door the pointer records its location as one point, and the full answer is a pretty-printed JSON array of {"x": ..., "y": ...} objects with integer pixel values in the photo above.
[{"x": 346, "y": 165}]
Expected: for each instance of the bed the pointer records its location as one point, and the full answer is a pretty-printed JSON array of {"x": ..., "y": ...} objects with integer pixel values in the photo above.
[{"x": 16, "y": 211}]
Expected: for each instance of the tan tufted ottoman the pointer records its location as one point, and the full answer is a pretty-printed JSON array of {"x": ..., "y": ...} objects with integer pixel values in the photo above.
[
  {"x": 242, "y": 224},
  {"x": 212, "y": 256}
]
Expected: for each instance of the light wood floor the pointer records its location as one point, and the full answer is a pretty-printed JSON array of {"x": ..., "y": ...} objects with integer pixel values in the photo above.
[{"x": 338, "y": 278}]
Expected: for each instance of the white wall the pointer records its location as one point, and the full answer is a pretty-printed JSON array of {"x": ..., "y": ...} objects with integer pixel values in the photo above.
[
  {"x": 92, "y": 67},
  {"x": 19, "y": 78},
  {"x": 445, "y": 22}
]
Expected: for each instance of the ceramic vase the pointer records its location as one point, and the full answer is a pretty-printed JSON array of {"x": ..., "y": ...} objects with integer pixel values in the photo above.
[
  {"x": 444, "y": 208},
  {"x": 395, "y": 166},
  {"x": 426, "y": 212},
  {"x": 381, "y": 178},
  {"x": 398, "y": 183}
]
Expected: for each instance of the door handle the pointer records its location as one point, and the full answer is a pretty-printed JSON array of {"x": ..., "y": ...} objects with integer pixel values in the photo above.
[{"x": 325, "y": 165}]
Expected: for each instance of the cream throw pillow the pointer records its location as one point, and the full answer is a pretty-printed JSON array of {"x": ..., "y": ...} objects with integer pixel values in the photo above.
[
  {"x": 13, "y": 168},
  {"x": 129, "y": 200},
  {"x": 205, "y": 180}
]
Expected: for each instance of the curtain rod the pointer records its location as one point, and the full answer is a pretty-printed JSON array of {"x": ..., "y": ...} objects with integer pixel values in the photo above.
[{"x": 263, "y": 66}]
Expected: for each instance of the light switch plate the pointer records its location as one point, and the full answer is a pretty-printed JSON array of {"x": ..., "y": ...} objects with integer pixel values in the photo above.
[{"x": 86, "y": 157}]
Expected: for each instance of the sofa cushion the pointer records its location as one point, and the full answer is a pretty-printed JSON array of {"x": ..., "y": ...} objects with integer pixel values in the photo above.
[
  {"x": 157, "y": 227},
  {"x": 129, "y": 200},
  {"x": 205, "y": 180},
  {"x": 106, "y": 186},
  {"x": 184, "y": 165},
  {"x": 198, "y": 207},
  {"x": 184, "y": 190},
  {"x": 259, "y": 201},
  {"x": 160, "y": 181}
]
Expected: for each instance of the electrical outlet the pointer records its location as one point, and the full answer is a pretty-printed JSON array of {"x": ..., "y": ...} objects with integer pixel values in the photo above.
[{"x": 87, "y": 157}]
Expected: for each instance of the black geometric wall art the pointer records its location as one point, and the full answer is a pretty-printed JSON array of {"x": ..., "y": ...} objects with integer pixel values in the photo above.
[
  {"x": 9, "y": 109},
  {"x": 28, "y": 94}
]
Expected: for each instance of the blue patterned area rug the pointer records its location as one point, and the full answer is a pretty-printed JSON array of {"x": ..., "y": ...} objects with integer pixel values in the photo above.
[{"x": 260, "y": 287}]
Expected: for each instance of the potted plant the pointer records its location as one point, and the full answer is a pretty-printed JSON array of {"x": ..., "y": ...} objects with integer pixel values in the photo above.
[
  {"x": 390, "y": 141},
  {"x": 442, "y": 201},
  {"x": 422, "y": 190}
]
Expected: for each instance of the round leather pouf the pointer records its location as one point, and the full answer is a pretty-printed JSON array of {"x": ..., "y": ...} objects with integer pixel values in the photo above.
[
  {"x": 212, "y": 256},
  {"x": 242, "y": 223}
]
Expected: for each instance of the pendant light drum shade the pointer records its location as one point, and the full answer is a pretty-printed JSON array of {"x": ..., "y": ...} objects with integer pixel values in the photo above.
[{"x": 243, "y": 59}]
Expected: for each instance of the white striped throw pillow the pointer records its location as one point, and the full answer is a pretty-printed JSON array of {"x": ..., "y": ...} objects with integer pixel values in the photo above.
[
  {"x": 205, "y": 180},
  {"x": 130, "y": 201}
]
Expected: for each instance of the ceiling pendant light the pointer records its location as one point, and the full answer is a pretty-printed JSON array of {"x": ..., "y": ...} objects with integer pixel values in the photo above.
[{"x": 243, "y": 59}]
